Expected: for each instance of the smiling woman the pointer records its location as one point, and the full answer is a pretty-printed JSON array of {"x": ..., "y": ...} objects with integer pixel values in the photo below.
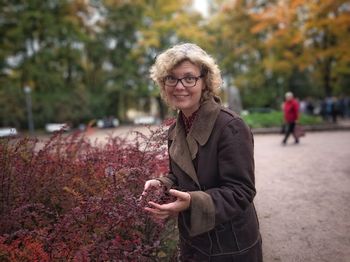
[{"x": 211, "y": 163}]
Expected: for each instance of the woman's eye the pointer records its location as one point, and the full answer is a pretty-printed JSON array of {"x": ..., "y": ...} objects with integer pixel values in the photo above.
[
  {"x": 189, "y": 79},
  {"x": 170, "y": 78}
]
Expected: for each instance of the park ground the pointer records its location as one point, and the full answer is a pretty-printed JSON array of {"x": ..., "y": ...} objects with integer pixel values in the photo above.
[{"x": 303, "y": 195}]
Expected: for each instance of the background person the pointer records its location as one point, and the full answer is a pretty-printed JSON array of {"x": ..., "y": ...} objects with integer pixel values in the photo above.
[
  {"x": 291, "y": 115},
  {"x": 211, "y": 163}
]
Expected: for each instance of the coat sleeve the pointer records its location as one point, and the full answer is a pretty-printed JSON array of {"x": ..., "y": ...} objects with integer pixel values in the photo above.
[
  {"x": 168, "y": 181},
  {"x": 202, "y": 210},
  {"x": 236, "y": 189}
]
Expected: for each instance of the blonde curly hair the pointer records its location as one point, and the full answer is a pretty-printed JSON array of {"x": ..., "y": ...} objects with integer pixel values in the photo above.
[{"x": 173, "y": 56}]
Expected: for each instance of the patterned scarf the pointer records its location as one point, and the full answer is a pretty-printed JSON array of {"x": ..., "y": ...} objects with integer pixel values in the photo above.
[{"x": 188, "y": 121}]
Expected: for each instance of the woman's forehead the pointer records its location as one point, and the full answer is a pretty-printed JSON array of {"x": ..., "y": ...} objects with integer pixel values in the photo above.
[{"x": 185, "y": 65}]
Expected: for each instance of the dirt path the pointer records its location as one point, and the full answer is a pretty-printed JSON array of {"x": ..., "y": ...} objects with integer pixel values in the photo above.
[{"x": 303, "y": 198}]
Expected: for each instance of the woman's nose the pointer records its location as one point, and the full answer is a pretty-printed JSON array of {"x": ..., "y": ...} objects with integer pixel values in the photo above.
[{"x": 179, "y": 85}]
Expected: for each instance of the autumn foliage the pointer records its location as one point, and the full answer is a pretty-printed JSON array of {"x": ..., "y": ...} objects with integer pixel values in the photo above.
[{"x": 69, "y": 199}]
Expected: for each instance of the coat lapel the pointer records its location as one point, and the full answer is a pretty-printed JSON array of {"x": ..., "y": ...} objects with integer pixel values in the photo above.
[
  {"x": 179, "y": 151},
  {"x": 184, "y": 149},
  {"x": 203, "y": 126}
]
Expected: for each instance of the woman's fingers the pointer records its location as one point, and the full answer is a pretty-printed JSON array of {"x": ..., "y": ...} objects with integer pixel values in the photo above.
[
  {"x": 148, "y": 185},
  {"x": 180, "y": 195},
  {"x": 161, "y": 214},
  {"x": 155, "y": 205},
  {"x": 158, "y": 209}
]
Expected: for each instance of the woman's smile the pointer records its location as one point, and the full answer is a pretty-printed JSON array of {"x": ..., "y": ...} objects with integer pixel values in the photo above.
[{"x": 181, "y": 96}]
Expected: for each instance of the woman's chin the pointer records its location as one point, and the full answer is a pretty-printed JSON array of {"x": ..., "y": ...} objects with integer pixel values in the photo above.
[
  {"x": 182, "y": 107},
  {"x": 179, "y": 104}
]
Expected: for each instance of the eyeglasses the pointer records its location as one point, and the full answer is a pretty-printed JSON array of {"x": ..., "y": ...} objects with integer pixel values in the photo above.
[{"x": 187, "y": 81}]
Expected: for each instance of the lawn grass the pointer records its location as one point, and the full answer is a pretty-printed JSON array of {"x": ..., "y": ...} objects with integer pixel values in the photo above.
[{"x": 275, "y": 119}]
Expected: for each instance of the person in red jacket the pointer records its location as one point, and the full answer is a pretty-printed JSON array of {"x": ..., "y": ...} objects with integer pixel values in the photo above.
[{"x": 291, "y": 115}]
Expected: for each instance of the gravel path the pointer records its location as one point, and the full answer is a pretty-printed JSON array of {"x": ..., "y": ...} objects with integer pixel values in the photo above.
[{"x": 303, "y": 198}]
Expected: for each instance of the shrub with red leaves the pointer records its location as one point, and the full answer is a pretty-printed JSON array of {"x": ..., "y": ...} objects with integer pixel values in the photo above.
[
  {"x": 74, "y": 200},
  {"x": 22, "y": 249}
]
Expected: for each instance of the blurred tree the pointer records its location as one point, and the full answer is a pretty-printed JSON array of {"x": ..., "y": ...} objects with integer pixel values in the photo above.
[
  {"x": 121, "y": 20},
  {"x": 93, "y": 53},
  {"x": 306, "y": 38},
  {"x": 165, "y": 23},
  {"x": 12, "y": 109},
  {"x": 240, "y": 53},
  {"x": 283, "y": 44},
  {"x": 43, "y": 44},
  {"x": 327, "y": 40}
]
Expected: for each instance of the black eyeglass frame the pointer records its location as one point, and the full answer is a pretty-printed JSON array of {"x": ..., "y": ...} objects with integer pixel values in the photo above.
[{"x": 180, "y": 80}]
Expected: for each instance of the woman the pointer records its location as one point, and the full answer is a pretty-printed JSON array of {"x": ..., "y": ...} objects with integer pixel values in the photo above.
[{"x": 211, "y": 163}]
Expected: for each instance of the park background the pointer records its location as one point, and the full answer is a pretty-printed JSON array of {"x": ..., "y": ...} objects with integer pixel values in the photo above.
[{"x": 79, "y": 61}]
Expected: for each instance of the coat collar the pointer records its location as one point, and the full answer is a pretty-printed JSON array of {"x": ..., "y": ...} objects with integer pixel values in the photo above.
[{"x": 184, "y": 149}]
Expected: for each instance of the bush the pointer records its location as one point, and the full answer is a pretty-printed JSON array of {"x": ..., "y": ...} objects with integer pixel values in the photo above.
[
  {"x": 74, "y": 200},
  {"x": 24, "y": 248}
]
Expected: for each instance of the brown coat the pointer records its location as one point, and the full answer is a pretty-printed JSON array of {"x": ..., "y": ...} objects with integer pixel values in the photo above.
[{"x": 215, "y": 164}]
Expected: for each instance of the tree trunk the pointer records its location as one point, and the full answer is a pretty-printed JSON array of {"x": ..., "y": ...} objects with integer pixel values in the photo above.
[
  {"x": 161, "y": 107},
  {"x": 327, "y": 77}
]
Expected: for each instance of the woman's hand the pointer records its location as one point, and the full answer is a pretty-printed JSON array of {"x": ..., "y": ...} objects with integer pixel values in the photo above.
[
  {"x": 149, "y": 184},
  {"x": 170, "y": 209}
]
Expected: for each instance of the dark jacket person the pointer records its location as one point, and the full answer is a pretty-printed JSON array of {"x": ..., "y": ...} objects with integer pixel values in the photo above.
[{"x": 211, "y": 163}]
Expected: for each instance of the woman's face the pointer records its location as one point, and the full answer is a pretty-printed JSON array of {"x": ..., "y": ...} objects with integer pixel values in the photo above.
[{"x": 184, "y": 98}]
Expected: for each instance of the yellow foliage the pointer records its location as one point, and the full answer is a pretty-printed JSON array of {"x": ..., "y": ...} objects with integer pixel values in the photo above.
[
  {"x": 281, "y": 66},
  {"x": 260, "y": 27},
  {"x": 297, "y": 38},
  {"x": 288, "y": 55}
]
